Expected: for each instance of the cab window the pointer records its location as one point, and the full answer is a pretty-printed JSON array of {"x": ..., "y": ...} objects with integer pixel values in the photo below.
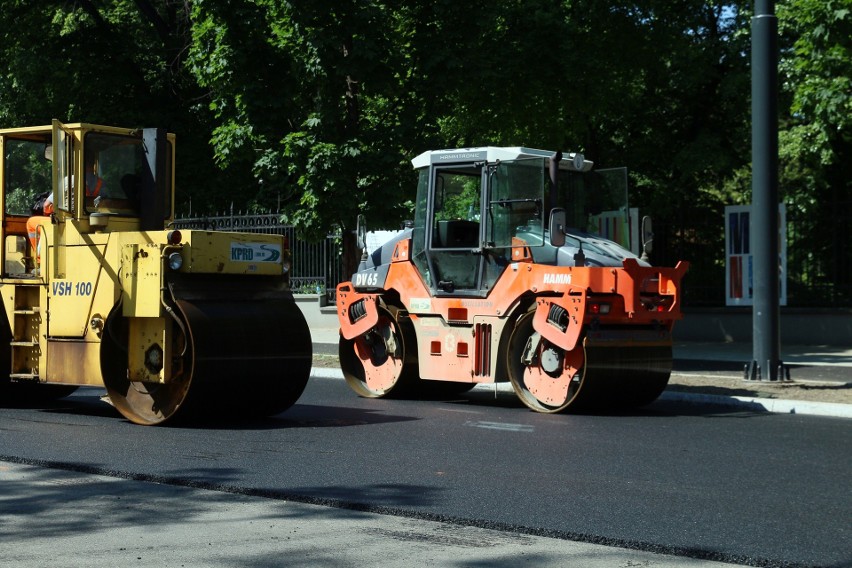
[
  {"x": 113, "y": 168},
  {"x": 28, "y": 174}
]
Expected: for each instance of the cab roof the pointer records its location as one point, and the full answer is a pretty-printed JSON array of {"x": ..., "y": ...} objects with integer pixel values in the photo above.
[
  {"x": 491, "y": 154},
  {"x": 47, "y": 129}
]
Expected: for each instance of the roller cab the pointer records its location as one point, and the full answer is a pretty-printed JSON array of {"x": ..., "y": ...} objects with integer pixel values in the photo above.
[
  {"x": 517, "y": 268},
  {"x": 97, "y": 291}
]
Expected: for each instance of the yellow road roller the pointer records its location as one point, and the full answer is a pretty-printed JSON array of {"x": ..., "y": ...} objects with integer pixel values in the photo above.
[{"x": 98, "y": 291}]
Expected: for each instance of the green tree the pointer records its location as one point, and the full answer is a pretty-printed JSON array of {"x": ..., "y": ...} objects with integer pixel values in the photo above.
[
  {"x": 816, "y": 144},
  {"x": 118, "y": 63},
  {"x": 313, "y": 94}
]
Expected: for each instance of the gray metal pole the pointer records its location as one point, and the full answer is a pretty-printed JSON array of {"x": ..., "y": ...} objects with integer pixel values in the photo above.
[{"x": 766, "y": 355}]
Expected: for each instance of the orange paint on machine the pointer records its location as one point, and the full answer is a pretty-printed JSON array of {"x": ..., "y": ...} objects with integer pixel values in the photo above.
[{"x": 503, "y": 277}]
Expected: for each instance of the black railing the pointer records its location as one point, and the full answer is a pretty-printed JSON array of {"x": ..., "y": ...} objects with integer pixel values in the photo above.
[
  {"x": 316, "y": 267},
  {"x": 819, "y": 259}
]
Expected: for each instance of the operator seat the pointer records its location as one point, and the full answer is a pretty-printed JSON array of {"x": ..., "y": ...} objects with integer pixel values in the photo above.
[{"x": 457, "y": 233}]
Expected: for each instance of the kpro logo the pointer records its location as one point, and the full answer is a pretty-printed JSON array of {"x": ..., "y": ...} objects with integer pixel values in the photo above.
[{"x": 253, "y": 252}]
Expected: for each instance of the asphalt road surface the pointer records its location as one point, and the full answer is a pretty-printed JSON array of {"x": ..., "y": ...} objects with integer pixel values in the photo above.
[{"x": 700, "y": 482}]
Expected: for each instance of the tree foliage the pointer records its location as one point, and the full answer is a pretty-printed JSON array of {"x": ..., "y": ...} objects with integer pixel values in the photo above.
[
  {"x": 315, "y": 107},
  {"x": 815, "y": 142}
]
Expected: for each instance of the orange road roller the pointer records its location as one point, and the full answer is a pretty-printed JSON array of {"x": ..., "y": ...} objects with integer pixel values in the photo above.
[{"x": 517, "y": 268}]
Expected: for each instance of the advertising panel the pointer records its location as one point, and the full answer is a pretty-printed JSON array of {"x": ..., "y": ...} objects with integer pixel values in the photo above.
[{"x": 739, "y": 275}]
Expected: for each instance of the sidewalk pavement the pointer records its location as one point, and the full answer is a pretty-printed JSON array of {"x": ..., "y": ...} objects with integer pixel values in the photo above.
[
  {"x": 793, "y": 355},
  {"x": 58, "y": 517},
  {"x": 808, "y": 364}
]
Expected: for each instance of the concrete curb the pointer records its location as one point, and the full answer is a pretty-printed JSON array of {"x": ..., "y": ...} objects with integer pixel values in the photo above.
[
  {"x": 776, "y": 406},
  {"x": 752, "y": 404}
]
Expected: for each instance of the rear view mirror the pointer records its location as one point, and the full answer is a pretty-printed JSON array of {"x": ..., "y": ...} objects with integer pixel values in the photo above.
[
  {"x": 361, "y": 232},
  {"x": 557, "y": 227}
]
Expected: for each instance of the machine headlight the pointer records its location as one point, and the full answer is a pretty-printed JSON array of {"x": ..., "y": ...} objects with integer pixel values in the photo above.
[
  {"x": 154, "y": 359},
  {"x": 285, "y": 266},
  {"x": 175, "y": 261},
  {"x": 596, "y": 308}
]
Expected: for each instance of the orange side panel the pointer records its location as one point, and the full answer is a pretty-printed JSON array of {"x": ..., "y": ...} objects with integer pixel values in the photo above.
[
  {"x": 346, "y": 297},
  {"x": 575, "y": 308},
  {"x": 445, "y": 352}
]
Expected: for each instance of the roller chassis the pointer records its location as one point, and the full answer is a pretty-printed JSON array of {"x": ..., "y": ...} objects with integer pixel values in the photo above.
[{"x": 467, "y": 340}]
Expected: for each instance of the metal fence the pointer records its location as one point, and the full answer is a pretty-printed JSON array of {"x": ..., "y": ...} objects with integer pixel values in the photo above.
[
  {"x": 819, "y": 257},
  {"x": 316, "y": 267}
]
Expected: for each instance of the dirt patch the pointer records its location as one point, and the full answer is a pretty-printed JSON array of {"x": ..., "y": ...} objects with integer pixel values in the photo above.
[
  {"x": 814, "y": 391},
  {"x": 326, "y": 361}
]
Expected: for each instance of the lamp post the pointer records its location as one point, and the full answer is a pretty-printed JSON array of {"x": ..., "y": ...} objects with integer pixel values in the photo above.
[{"x": 766, "y": 361}]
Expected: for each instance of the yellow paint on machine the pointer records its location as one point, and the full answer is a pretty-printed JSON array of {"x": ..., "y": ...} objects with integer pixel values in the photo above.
[
  {"x": 234, "y": 253},
  {"x": 73, "y": 362},
  {"x": 141, "y": 274},
  {"x": 150, "y": 342}
]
